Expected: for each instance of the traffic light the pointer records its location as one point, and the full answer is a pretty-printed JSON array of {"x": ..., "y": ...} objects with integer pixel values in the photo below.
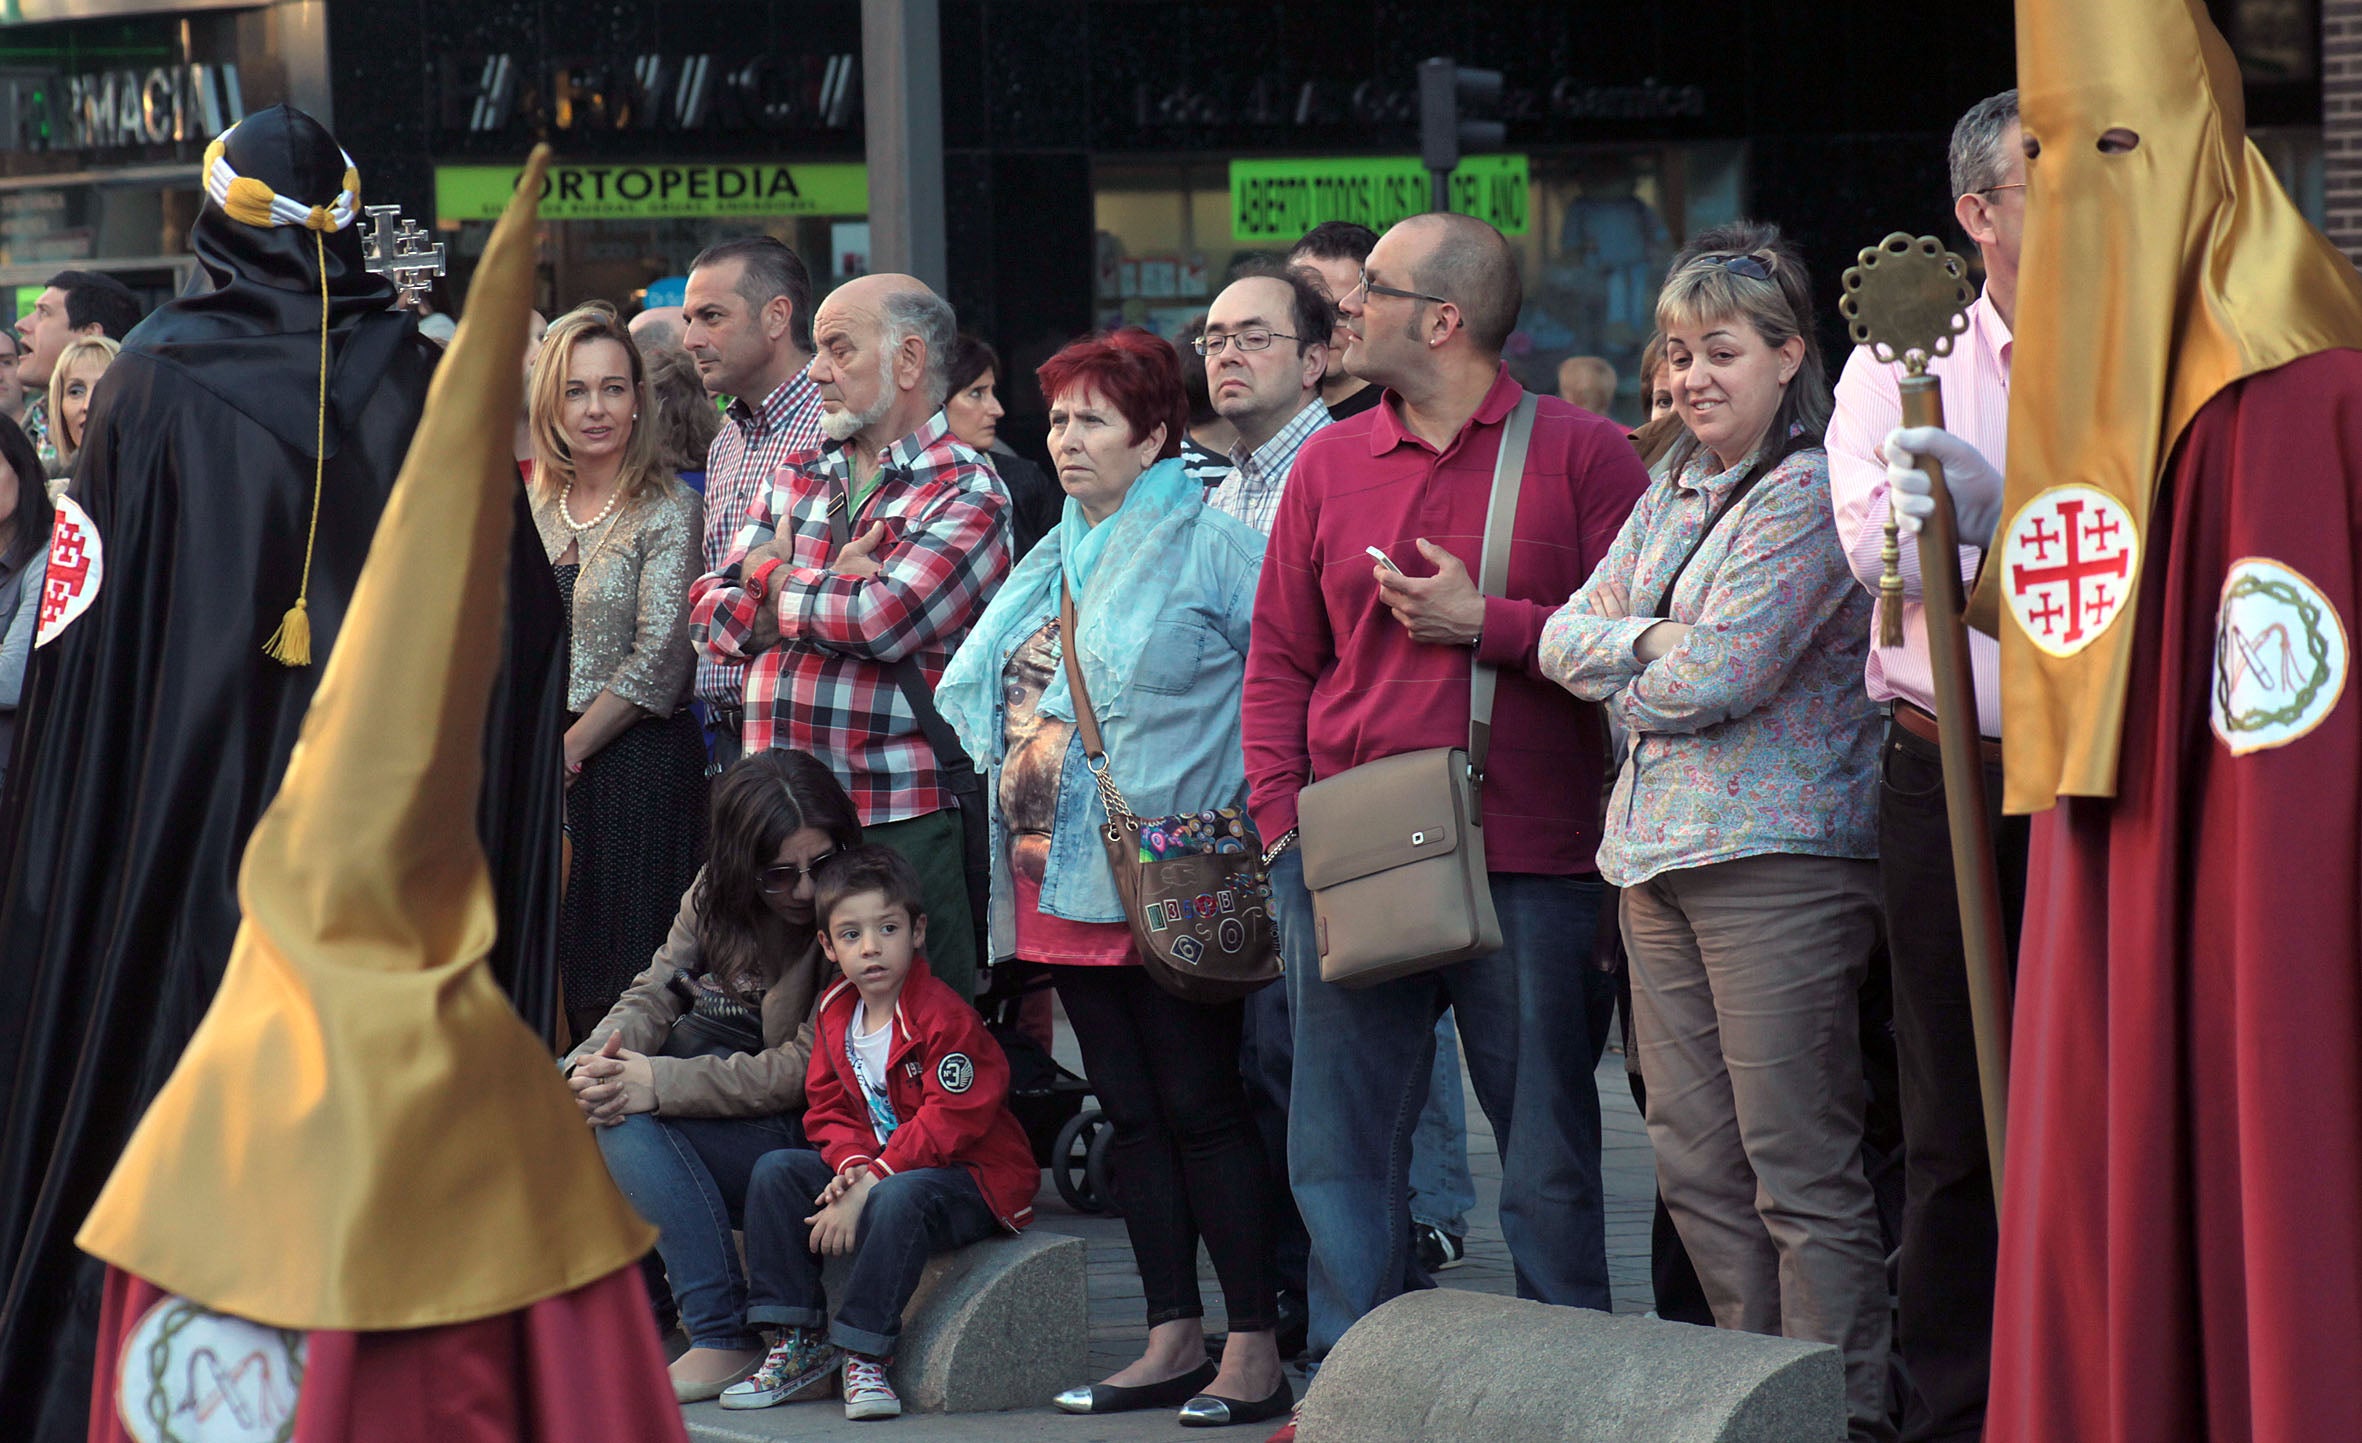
[{"x": 1453, "y": 99}]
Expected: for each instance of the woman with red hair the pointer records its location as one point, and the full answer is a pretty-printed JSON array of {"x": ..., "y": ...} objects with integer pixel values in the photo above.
[{"x": 1163, "y": 589}]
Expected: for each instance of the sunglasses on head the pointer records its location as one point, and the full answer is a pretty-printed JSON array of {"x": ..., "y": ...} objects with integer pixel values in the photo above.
[
  {"x": 783, "y": 878},
  {"x": 1752, "y": 267}
]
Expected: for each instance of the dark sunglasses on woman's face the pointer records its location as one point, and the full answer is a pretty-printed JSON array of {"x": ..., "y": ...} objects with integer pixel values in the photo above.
[{"x": 776, "y": 880}]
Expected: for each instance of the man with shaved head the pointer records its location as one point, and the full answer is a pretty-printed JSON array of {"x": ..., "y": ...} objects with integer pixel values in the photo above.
[
  {"x": 1436, "y": 301},
  {"x": 842, "y": 639}
]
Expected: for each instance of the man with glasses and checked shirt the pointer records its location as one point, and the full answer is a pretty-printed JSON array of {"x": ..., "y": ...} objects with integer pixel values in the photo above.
[
  {"x": 1949, "y": 1234},
  {"x": 1265, "y": 350},
  {"x": 1438, "y": 299}
]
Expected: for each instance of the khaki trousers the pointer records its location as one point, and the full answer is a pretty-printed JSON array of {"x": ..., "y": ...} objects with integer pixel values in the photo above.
[{"x": 1745, "y": 976}]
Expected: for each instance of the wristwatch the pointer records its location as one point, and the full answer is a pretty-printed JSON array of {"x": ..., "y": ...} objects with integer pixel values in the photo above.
[{"x": 758, "y": 585}]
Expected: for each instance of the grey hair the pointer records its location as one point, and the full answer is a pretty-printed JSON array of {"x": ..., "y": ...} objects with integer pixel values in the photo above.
[
  {"x": 1978, "y": 162},
  {"x": 922, "y": 313}
]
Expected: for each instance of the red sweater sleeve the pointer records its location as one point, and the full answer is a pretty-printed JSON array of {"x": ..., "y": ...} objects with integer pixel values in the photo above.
[
  {"x": 948, "y": 1125},
  {"x": 1291, "y": 646}
]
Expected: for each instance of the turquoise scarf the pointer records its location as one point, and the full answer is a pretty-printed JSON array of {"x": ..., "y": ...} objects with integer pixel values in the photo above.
[{"x": 1121, "y": 571}]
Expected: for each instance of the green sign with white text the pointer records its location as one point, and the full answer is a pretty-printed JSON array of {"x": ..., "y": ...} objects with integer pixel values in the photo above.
[
  {"x": 1279, "y": 200},
  {"x": 648, "y": 192}
]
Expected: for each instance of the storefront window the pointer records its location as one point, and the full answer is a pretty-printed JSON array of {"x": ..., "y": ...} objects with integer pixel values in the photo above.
[{"x": 1593, "y": 229}]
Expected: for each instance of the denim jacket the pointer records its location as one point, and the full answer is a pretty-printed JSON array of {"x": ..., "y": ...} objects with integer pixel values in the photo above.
[{"x": 1172, "y": 743}]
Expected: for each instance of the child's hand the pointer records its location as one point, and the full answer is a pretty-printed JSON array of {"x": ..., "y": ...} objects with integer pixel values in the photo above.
[
  {"x": 839, "y": 1185},
  {"x": 835, "y": 1226}
]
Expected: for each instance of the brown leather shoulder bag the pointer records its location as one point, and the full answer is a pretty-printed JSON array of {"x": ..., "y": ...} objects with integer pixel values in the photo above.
[{"x": 1394, "y": 849}]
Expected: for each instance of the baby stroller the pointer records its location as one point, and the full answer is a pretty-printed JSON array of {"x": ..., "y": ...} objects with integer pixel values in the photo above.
[{"x": 1069, "y": 1139}]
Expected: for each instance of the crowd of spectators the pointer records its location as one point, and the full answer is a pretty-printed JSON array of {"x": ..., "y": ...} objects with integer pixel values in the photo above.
[{"x": 851, "y": 680}]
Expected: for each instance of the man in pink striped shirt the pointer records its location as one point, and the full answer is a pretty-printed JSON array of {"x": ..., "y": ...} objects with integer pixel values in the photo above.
[{"x": 1949, "y": 1233}]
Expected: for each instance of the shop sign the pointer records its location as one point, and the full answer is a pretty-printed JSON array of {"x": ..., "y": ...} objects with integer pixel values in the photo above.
[
  {"x": 1279, "y": 200},
  {"x": 112, "y": 109},
  {"x": 650, "y": 192}
]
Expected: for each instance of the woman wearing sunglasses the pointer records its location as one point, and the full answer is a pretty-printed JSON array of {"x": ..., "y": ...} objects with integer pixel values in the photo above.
[
  {"x": 1726, "y": 635},
  {"x": 698, "y": 1070}
]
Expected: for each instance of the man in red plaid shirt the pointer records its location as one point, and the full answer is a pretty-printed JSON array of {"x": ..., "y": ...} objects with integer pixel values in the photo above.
[{"x": 822, "y": 628}]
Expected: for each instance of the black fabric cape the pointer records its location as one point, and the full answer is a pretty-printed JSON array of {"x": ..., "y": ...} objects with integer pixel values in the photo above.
[{"x": 154, "y": 731}]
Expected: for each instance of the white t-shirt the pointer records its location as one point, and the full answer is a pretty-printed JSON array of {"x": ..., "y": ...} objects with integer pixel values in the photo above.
[{"x": 871, "y": 1050}]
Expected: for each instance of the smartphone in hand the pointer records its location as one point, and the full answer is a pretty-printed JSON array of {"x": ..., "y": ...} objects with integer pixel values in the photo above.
[{"x": 1383, "y": 560}]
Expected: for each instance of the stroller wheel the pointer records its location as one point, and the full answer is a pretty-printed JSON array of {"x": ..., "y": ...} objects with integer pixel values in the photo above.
[{"x": 1078, "y": 1162}]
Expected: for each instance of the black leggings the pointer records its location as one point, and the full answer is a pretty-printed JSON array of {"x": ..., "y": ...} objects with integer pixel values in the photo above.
[{"x": 1186, "y": 1158}]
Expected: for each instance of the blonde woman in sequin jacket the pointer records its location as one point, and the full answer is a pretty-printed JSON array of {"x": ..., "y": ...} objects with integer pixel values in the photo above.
[{"x": 622, "y": 534}]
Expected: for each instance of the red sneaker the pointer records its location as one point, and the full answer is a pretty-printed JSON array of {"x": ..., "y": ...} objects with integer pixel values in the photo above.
[{"x": 1286, "y": 1433}]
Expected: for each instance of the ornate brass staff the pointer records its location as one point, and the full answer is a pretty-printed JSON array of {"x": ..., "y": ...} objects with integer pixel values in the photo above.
[{"x": 1906, "y": 301}]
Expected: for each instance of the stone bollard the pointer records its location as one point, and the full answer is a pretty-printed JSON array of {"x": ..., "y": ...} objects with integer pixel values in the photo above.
[
  {"x": 1004, "y": 1323},
  {"x": 1445, "y": 1366}
]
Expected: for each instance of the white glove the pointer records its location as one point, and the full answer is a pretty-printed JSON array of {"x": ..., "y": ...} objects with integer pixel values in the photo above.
[{"x": 1974, "y": 483}]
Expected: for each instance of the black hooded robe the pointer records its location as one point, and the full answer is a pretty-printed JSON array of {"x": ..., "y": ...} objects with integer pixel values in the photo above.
[{"x": 155, "y": 731}]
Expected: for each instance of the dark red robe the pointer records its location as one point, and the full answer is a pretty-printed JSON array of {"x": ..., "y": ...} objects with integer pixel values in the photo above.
[
  {"x": 2181, "y": 1227},
  {"x": 582, "y": 1367}
]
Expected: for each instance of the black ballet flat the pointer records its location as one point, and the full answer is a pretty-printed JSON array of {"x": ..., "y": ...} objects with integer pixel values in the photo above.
[
  {"x": 1109, "y": 1398},
  {"x": 1209, "y": 1411}
]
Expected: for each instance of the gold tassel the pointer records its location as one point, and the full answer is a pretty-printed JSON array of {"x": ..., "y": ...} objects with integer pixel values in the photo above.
[
  {"x": 1890, "y": 586},
  {"x": 291, "y": 644}
]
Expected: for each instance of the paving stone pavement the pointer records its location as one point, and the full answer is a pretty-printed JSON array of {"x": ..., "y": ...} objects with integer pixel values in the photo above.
[{"x": 1119, "y": 1327}]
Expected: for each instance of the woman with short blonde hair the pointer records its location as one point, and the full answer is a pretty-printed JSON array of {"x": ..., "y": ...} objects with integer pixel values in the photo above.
[
  {"x": 72, "y": 382},
  {"x": 622, "y": 534}
]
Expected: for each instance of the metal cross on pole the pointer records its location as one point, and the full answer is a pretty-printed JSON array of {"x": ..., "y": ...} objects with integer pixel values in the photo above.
[
  {"x": 1906, "y": 301},
  {"x": 399, "y": 250}
]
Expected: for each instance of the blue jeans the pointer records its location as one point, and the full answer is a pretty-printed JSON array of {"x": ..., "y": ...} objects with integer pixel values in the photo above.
[
  {"x": 910, "y": 1217},
  {"x": 1532, "y": 1019},
  {"x": 688, "y": 1177},
  {"x": 1442, "y": 1192}
]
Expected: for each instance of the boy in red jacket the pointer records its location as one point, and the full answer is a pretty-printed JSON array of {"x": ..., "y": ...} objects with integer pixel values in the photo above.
[{"x": 917, "y": 1151}]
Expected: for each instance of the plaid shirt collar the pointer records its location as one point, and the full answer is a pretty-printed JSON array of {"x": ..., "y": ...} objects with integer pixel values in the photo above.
[
  {"x": 754, "y": 422},
  {"x": 1274, "y": 457},
  {"x": 931, "y": 448}
]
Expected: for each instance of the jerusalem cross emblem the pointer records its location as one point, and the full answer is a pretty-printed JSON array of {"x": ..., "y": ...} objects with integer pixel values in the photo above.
[{"x": 2069, "y": 565}]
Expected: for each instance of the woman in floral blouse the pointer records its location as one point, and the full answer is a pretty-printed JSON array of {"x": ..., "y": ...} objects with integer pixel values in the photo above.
[{"x": 1725, "y": 634}]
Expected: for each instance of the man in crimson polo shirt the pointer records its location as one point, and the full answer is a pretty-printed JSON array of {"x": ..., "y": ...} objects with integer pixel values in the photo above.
[{"x": 1351, "y": 663}]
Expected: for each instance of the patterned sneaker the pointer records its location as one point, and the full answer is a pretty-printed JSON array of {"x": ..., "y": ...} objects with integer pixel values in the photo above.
[
  {"x": 802, "y": 1366},
  {"x": 867, "y": 1393}
]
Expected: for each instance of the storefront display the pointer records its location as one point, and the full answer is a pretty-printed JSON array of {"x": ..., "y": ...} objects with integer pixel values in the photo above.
[{"x": 104, "y": 111}]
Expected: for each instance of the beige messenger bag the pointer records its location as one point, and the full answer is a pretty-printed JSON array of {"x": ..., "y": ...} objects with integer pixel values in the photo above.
[{"x": 1394, "y": 849}]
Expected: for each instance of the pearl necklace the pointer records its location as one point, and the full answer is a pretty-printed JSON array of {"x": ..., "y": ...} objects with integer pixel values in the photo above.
[{"x": 566, "y": 507}]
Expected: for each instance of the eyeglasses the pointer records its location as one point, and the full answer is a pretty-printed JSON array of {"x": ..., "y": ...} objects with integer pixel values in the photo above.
[
  {"x": 2013, "y": 185},
  {"x": 1211, "y": 345},
  {"x": 784, "y": 878},
  {"x": 1369, "y": 288}
]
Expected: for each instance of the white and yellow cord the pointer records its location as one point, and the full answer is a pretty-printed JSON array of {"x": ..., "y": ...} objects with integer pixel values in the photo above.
[{"x": 250, "y": 202}]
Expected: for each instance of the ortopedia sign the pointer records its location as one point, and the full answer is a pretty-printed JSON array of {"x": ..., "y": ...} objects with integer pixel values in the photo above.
[
  {"x": 636, "y": 192},
  {"x": 1279, "y": 200}
]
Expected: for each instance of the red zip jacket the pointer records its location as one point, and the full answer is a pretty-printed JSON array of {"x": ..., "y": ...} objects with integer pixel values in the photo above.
[{"x": 948, "y": 1083}]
